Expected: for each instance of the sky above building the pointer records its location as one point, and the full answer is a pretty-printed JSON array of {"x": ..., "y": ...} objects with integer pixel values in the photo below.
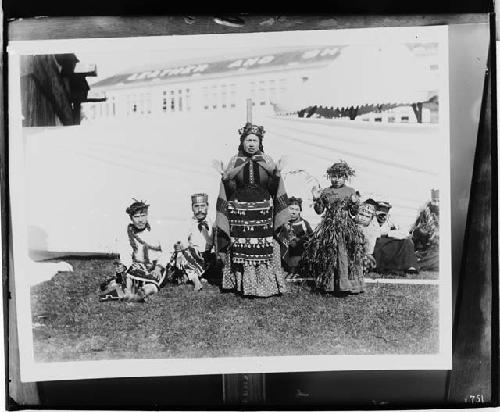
[
  {"x": 138, "y": 60},
  {"x": 110, "y": 64}
]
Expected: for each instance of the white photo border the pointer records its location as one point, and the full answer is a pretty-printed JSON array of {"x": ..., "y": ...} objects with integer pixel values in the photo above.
[{"x": 40, "y": 371}]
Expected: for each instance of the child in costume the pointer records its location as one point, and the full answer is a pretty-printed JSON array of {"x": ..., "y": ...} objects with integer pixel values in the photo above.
[
  {"x": 335, "y": 251},
  {"x": 299, "y": 231}
]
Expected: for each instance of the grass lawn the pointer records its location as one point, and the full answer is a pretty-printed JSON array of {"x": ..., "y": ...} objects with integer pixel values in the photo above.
[
  {"x": 69, "y": 323},
  {"x": 427, "y": 275}
]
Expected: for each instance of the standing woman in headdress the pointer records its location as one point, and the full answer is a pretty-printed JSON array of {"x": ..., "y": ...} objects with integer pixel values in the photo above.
[
  {"x": 252, "y": 213},
  {"x": 335, "y": 252}
]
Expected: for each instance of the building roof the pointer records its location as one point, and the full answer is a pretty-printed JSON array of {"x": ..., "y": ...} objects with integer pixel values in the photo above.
[{"x": 264, "y": 61}]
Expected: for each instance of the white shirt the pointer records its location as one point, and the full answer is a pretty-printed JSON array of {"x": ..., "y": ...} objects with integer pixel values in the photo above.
[
  {"x": 150, "y": 237},
  {"x": 201, "y": 241},
  {"x": 372, "y": 232},
  {"x": 391, "y": 230}
]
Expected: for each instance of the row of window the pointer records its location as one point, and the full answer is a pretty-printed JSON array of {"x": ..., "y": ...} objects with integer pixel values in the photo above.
[
  {"x": 139, "y": 103},
  {"x": 224, "y": 96},
  {"x": 390, "y": 119},
  {"x": 176, "y": 100},
  {"x": 213, "y": 97},
  {"x": 105, "y": 109}
]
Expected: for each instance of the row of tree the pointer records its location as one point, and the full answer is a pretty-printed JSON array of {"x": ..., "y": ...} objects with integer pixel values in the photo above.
[{"x": 354, "y": 111}]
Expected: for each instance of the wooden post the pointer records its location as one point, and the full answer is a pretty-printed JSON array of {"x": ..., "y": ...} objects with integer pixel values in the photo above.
[
  {"x": 244, "y": 389},
  {"x": 249, "y": 110},
  {"x": 471, "y": 378}
]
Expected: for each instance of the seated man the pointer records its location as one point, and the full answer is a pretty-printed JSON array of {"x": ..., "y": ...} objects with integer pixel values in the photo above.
[
  {"x": 394, "y": 251},
  {"x": 425, "y": 234},
  {"x": 197, "y": 260},
  {"x": 140, "y": 271},
  {"x": 299, "y": 231}
]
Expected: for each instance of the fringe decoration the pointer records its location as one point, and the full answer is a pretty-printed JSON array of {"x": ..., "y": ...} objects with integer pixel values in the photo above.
[
  {"x": 320, "y": 251},
  {"x": 133, "y": 239}
]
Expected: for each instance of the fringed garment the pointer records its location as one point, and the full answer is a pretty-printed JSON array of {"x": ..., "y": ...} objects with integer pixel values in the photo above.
[
  {"x": 335, "y": 253},
  {"x": 187, "y": 265},
  {"x": 298, "y": 233},
  {"x": 251, "y": 231},
  {"x": 142, "y": 275},
  {"x": 425, "y": 236},
  {"x": 251, "y": 216},
  {"x": 140, "y": 272}
]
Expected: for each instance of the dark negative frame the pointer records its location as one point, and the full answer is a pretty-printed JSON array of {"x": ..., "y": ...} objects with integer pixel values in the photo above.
[{"x": 475, "y": 366}]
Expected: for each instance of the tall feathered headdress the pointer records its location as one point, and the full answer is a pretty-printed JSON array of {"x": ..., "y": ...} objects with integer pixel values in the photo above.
[
  {"x": 137, "y": 206},
  {"x": 250, "y": 128},
  {"x": 340, "y": 169}
]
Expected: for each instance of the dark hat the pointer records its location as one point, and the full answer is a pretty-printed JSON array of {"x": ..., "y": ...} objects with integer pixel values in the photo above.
[
  {"x": 365, "y": 208},
  {"x": 341, "y": 169},
  {"x": 199, "y": 198},
  {"x": 383, "y": 207},
  {"x": 369, "y": 205},
  {"x": 435, "y": 195},
  {"x": 137, "y": 206},
  {"x": 295, "y": 201}
]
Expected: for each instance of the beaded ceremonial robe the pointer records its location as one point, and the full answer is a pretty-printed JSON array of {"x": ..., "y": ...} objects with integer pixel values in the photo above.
[{"x": 250, "y": 226}]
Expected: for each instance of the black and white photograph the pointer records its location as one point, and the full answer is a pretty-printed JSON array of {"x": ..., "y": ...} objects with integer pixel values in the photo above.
[{"x": 258, "y": 202}]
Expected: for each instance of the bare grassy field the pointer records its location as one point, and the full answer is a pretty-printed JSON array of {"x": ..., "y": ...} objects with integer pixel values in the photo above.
[{"x": 69, "y": 323}]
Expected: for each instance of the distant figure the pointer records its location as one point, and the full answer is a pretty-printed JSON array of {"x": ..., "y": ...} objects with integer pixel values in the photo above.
[
  {"x": 394, "y": 250},
  {"x": 335, "y": 251},
  {"x": 425, "y": 234},
  {"x": 299, "y": 231},
  {"x": 140, "y": 271}
]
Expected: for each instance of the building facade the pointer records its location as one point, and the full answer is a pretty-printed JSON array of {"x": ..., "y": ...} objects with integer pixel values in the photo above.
[
  {"x": 213, "y": 86},
  {"x": 281, "y": 82}
]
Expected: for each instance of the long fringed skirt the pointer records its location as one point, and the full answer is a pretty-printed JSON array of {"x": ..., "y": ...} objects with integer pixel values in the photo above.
[
  {"x": 335, "y": 253},
  {"x": 253, "y": 267}
]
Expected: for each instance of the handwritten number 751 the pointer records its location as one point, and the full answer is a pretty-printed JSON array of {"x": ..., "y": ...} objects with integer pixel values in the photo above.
[{"x": 475, "y": 399}]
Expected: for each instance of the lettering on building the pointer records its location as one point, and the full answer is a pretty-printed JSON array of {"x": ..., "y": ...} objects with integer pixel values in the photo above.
[{"x": 185, "y": 70}]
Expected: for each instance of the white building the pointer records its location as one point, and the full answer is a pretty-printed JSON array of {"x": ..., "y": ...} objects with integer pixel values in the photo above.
[
  {"x": 400, "y": 114},
  {"x": 287, "y": 81},
  {"x": 222, "y": 85}
]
